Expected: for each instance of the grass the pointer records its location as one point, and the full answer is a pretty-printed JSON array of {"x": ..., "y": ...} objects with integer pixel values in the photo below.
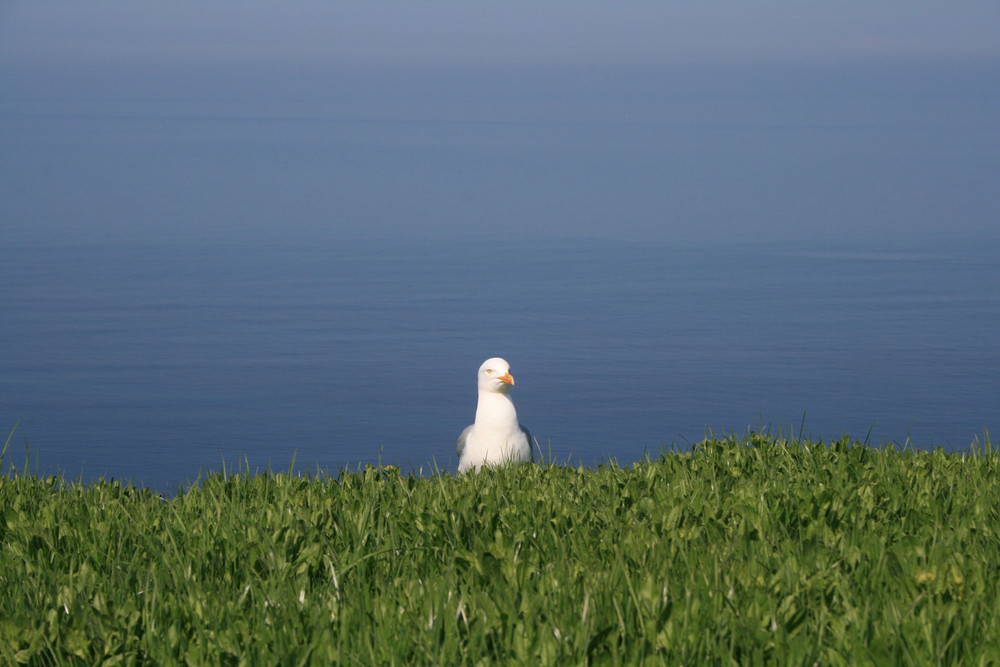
[{"x": 745, "y": 550}]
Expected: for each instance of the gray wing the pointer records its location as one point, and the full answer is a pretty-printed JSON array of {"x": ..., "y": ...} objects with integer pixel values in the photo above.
[
  {"x": 461, "y": 441},
  {"x": 527, "y": 434}
]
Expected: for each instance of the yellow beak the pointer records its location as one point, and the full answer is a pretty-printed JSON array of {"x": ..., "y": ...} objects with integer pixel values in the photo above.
[{"x": 507, "y": 378}]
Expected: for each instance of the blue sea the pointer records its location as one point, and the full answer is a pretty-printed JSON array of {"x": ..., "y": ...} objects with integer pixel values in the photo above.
[{"x": 187, "y": 285}]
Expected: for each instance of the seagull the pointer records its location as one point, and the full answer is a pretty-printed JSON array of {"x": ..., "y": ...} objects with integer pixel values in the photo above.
[{"x": 495, "y": 437}]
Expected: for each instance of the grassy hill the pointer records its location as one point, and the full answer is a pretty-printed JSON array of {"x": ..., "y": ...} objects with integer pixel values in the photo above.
[{"x": 743, "y": 551}]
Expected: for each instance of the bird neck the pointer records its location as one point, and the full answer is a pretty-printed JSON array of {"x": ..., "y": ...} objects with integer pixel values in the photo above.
[{"x": 495, "y": 410}]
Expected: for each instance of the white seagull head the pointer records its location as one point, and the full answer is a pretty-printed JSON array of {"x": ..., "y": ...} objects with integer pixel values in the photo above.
[{"x": 495, "y": 377}]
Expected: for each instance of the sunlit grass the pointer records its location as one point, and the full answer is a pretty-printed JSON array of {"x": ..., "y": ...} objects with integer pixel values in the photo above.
[{"x": 742, "y": 550}]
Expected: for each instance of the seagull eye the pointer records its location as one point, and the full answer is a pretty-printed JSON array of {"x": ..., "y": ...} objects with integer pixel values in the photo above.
[{"x": 489, "y": 371}]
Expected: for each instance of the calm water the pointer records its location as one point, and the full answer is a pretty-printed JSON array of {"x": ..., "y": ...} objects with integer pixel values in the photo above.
[
  {"x": 189, "y": 276},
  {"x": 151, "y": 361}
]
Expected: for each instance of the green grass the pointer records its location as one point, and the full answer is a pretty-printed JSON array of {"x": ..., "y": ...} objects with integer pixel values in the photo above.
[{"x": 742, "y": 551}]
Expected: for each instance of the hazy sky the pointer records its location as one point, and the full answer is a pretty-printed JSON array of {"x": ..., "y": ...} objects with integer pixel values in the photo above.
[
  {"x": 549, "y": 31},
  {"x": 889, "y": 127}
]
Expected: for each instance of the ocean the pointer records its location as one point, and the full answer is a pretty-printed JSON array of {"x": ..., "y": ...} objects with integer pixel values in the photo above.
[
  {"x": 154, "y": 361},
  {"x": 190, "y": 287}
]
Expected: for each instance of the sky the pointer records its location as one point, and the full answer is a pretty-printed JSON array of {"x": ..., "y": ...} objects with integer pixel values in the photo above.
[
  {"x": 517, "y": 31},
  {"x": 909, "y": 146}
]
